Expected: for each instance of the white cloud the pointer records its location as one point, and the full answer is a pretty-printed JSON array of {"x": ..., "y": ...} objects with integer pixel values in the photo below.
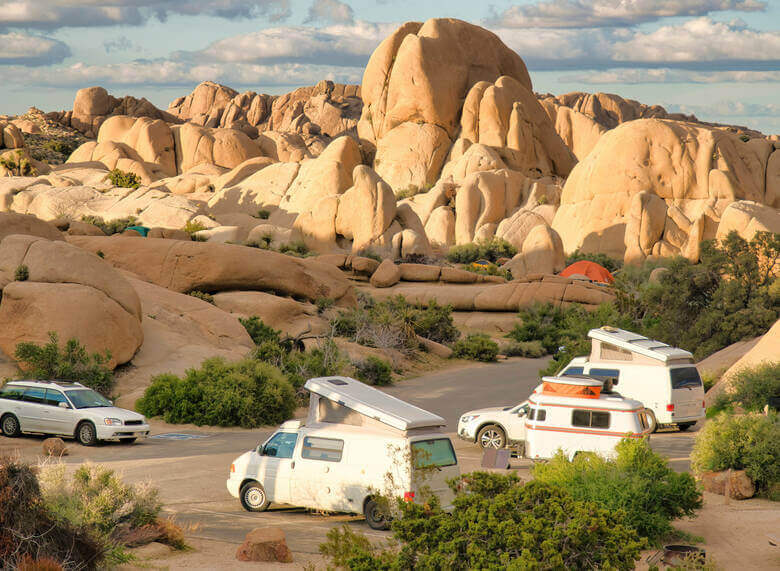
[
  {"x": 608, "y": 13},
  {"x": 24, "y": 49},
  {"x": 339, "y": 45},
  {"x": 667, "y": 75},
  {"x": 55, "y": 14},
  {"x": 332, "y": 11},
  {"x": 730, "y": 108}
]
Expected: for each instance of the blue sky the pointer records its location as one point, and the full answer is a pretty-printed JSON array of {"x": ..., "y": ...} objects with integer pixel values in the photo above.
[{"x": 719, "y": 59}]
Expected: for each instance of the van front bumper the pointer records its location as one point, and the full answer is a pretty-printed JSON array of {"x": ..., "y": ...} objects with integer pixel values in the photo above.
[{"x": 234, "y": 486}]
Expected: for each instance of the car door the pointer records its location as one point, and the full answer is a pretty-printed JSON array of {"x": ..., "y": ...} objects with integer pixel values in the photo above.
[
  {"x": 32, "y": 410},
  {"x": 515, "y": 423},
  {"x": 60, "y": 419},
  {"x": 272, "y": 465}
]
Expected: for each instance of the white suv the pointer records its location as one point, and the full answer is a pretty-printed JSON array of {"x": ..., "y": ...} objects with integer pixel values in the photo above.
[
  {"x": 495, "y": 427},
  {"x": 66, "y": 409}
]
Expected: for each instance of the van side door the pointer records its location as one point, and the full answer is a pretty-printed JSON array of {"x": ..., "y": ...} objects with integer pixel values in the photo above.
[
  {"x": 272, "y": 465},
  {"x": 318, "y": 480}
]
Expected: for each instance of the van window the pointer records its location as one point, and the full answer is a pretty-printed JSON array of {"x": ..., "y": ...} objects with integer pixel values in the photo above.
[
  {"x": 327, "y": 449},
  {"x": 685, "y": 378},
  {"x": 11, "y": 393},
  {"x": 34, "y": 395},
  {"x": 572, "y": 371},
  {"x": 590, "y": 418},
  {"x": 604, "y": 374},
  {"x": 434, "y": 452},
  {"x": 54, "y": 398},
  {"x": 281, "y": 445},
  {"x": 541, "y": 414}
]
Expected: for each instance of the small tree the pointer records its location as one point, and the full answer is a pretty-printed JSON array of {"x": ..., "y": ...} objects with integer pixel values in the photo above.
[
  {"x": 124, "y": 179},
  {"x": 69, "y": 363}
]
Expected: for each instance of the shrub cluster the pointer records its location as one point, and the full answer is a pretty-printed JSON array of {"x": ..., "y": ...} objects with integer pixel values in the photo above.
[
  {"x": 374, "y": 371},
  {"x": 207, "y": 297},
  {"x": 116, "y": 226},
  {"x": 489, "y": 270},
  {"x": 753, "y": 388},
  {"x": 634, "y": 482},
  {"x": 497, "y": 523},
  {"x": 19, "y": 167},
  {"x": 124, "y": 179},
  {"x": 247, "y": 393},
  {"x": 22, "y": 273},
  {"x": 477, "y": 347},
  {"x": 750, "y": 442},
  {"x": 529, "y": 349},
  {"x": 69, "y": 363},
  {"x": 490, "y": 250}
]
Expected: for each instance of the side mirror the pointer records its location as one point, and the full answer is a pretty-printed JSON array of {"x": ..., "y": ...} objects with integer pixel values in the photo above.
[
  {"x": 522, "y": 412},
  {"x": 63, "y": 405},
  {"x": 269, "y": 452}
]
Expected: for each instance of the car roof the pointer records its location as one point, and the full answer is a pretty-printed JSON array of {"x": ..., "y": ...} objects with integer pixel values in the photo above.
[{"x": 40, "y": 383}]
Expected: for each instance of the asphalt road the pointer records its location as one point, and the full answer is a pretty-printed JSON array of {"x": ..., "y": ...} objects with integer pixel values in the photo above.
[{"x": 189, "y": 465}]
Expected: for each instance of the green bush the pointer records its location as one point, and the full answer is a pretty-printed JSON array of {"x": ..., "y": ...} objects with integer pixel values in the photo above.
[
  {"x": 477, "y": 347},
  {"x": 489, "y": 270},
  {"x": 323, "y": 361},
  {"x": 22, "y": 273},
  {"x": 259, "y": 331},
  {"x": 750, "y": 442},
  {"x": 324, "y": 303},
  {"x": 116, "y": 226},
  {"x": 298, "y": 249},
  {"x": 263, "y": 214},
  {"x": 69, "y": 363},
  {"x": 497, "y": 523},
  {"x": 753, "y": 388},
  {"x": 490, "y": 250},
  {"x": 19, "y": 167},
  {"x": 192, "y": 226},
  {"x": 124, "y": 179},
  {"x": 64, "y": 147},
  {"x": 247, "y": 393},
  {"x": 612, "y": 264},
  {"x": 202, "y": 295},
  {"x": 529, "y": 349},
  {"x": 638, "y": 481},
  {"x": 374, "y": 371}
]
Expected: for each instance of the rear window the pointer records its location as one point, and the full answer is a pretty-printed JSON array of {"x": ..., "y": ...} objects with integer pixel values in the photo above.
[
  {"x": 685, "y": 378},
  {"x": 34, "y": 395},
  {"x": 434, "y": 452},
  {"x": 590, "y": 418},
  {"x": 11, "y": 393}
]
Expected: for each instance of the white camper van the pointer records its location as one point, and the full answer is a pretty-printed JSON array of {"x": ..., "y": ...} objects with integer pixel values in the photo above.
[
  {"x": 663, "y": 378},
  {"x": 572, "y": 414},
  {"x": 357, "y": 443}
]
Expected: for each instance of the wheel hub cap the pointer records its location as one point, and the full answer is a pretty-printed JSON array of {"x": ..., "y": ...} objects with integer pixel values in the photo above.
[
  {"x": 255, "y": 497},
  {"x": 491, "y": 439}
]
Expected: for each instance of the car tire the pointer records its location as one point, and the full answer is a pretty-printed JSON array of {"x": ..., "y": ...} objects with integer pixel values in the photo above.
[
  {"x": 253, "y": 497},
  {"x": 86, "y": 435},
  {"x": 9, "y": 425},
  {"x": 375, "y": 517},
  {"x": 491, "y": 436},
  {"x": 127, "y": 440},
  {"x": 651, "y": 420},
  {"x": 683, "y": 426}
]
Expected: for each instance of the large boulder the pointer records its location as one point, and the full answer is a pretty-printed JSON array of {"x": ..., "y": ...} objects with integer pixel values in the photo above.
[
  {"x": 197, "y": 145},
  {"x": 746, "y": 218},
  {"x": 366, "y": 210},
  {"x": 484, "y": 200},
  {"x": 697, "y": 171},
  {"x": 578, "y": 131},
  {"x": 10, "y": 136},
  {"x": 410, "y": 156},
  {"x": 70, "y": 292},
  {"x": 210, "y": 267},
  {"x": 205, "y": 105},
  {"x": 731, "y": 483},
  {"x": 265, "y": 544},
  {"x": 13, "y": 223},
  {"x": 287, "y": 315},
  {"x": 261, "y": 189}
]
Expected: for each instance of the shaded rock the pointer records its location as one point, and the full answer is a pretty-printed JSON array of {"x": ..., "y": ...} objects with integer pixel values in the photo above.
[
  {"x": 366, "y": 210},
  {"x": 287, "y": 315},
  {"x": 386, "y": 275},
  {"x": 735, "y": 484},
  {"x": 746, "y": 218},
  {"x": 13, "y": 223},
  {"x": 265, "y": 544},
  {"x": 419, "y": 272},
  {"x": 54, "y": 447},
  {"x": 435, "y": 348}
]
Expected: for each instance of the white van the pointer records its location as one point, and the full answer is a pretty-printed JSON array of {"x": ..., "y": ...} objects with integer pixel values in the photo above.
[
  {"x": 663, "y": 378},
  {"x": 575, "y": 415},
  {"x": 357, "y": 444}
]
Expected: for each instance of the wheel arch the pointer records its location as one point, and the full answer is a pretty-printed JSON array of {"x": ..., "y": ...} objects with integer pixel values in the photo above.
[{"x": 491, "y": 423}]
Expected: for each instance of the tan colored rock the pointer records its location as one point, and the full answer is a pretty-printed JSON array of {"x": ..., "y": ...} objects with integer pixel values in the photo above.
[
  {"x": 285, "y": 147},
  {"x": 54, "y": 447},
  {"x": 262, "y": 189},
  {"x": 518, "y": 226},
  {"x": 227, "y": 148},
  {"x": 485, "y": 198},
  {"x": 476, "y": 158},
  {"x": 746, "y": 218},
  {"x": 90, "y": 106},
  {"x": 386, "y": 275},
  {"x": 435, "y": 348},
  {"x": 186, "y": 266},
  {"x": 543, "y": 251},
  {"x": 205, "y": 104},
  {"x": 457, "y": 276},
  {"x": 151, "y": 139},
  {"x": 13, "y": 223},
  {"x": 411, "y": 155},
  {"x": 645, "y": 226},
  {"x": 241, "y": 172},
  {"x": 735, "y": 484},
  {"x": 440, "y": 228},
  {"x": 265, "y": 544},
  {"x": 10, "y": 136},
  {"x": 578, "y": 131},
  {"x": 284, "y": 314},
  {"x": 365, "y": 210},
  {"x": 419, "y": 272},
  {"x": 361, "y": 265},
  {"x": 772, "y": 195}
]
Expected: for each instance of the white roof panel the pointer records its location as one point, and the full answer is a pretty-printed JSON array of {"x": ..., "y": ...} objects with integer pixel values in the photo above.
[
  {"x": 373, "y": 403},
  {"x": 639, "y": 344}
]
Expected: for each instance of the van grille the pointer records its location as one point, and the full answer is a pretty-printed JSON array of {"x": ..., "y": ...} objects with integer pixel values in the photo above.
[{"x": 133, "y": 422}]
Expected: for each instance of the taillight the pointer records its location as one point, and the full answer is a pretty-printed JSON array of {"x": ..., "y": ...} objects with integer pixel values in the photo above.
[
  {"x": 670, "y": 407},
  {"x": 703, "y": 404},
  {"x": 408, "y": 496}
]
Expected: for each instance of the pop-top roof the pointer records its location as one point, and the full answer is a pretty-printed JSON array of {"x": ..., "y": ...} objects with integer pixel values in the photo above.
[
  {"x": 639, "y": 344},
  {"x": 373, "y": 403}
]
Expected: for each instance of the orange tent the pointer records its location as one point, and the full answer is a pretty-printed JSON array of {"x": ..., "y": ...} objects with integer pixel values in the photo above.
[{"x": 594, "y": 271}]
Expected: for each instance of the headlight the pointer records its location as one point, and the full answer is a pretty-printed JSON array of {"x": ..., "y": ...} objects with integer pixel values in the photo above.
[
  {"x": 468, "y": 417},
  {"x": 112, "y": 421}
]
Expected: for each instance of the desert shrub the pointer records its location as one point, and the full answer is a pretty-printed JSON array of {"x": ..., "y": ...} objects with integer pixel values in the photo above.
[
  {"x": 633, "y": 482},
  {"x": 477, "y": 347},
  {"x": 369, "y": 253},
  {"x": 193, "y": 226},
  {"x": 29, "y": 530},
  {"x": 297, "y": 248},
  {"x": 263, "y": 214},
  {"x": 18, "y": 166},
  {"x": 750, "y": 442},
  {"x": 753, "y": 388},
  {"x": 497, "y": 523},
  {"x": 324, "y": 303},
  {"x": 323, "y": 361},
  {"x": 69, "y": 363},
  {"x": 489, "y": 270},
  {"x": 259, "y": 331},
  {"x": 207, "y": 297},
  {"x": 264, "y": 242},
  {"x": 247, "y": 393},
  {"x": 116, "y": 226},
  {"x": 22, "y": 273},
  {"x": 124, "y": 179},
  {"x": 374, "y": 371},
  {"x": 62, "y": 146},
  {"x": 530, "y": 349},
  {"x": 490, "y": 250},
  {"x": 612, "y": 264}
]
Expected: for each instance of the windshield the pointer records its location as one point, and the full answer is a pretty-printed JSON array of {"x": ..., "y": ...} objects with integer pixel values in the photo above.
[
  {"x": 86, "y": 398},
  {"x": 434, "y": 452},
  {"x": 685, "y": 378}
]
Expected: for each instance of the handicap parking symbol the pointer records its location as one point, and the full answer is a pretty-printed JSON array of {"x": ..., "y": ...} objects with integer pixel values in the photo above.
[{"x": 179, "y": 436}]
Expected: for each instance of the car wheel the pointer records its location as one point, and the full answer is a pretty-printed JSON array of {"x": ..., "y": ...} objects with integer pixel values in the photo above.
[
  {"x": 683, "y": 426},
  {"x": 651, "y": 420},
  {"x": 86, "y": 434},
  {"x": 10, "y": 426},
  {"x": 491, "y": 436},
  {"x": 253, "y": 497},
  {"x": 127, "y": 440},
  {"x": 375, "y": 516}
]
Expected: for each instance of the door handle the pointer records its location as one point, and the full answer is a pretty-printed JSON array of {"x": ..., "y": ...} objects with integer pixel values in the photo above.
[{"x": 292, "y": 465}]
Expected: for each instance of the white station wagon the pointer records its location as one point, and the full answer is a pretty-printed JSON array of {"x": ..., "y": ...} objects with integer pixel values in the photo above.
[{"x": 66, "y": 409}]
